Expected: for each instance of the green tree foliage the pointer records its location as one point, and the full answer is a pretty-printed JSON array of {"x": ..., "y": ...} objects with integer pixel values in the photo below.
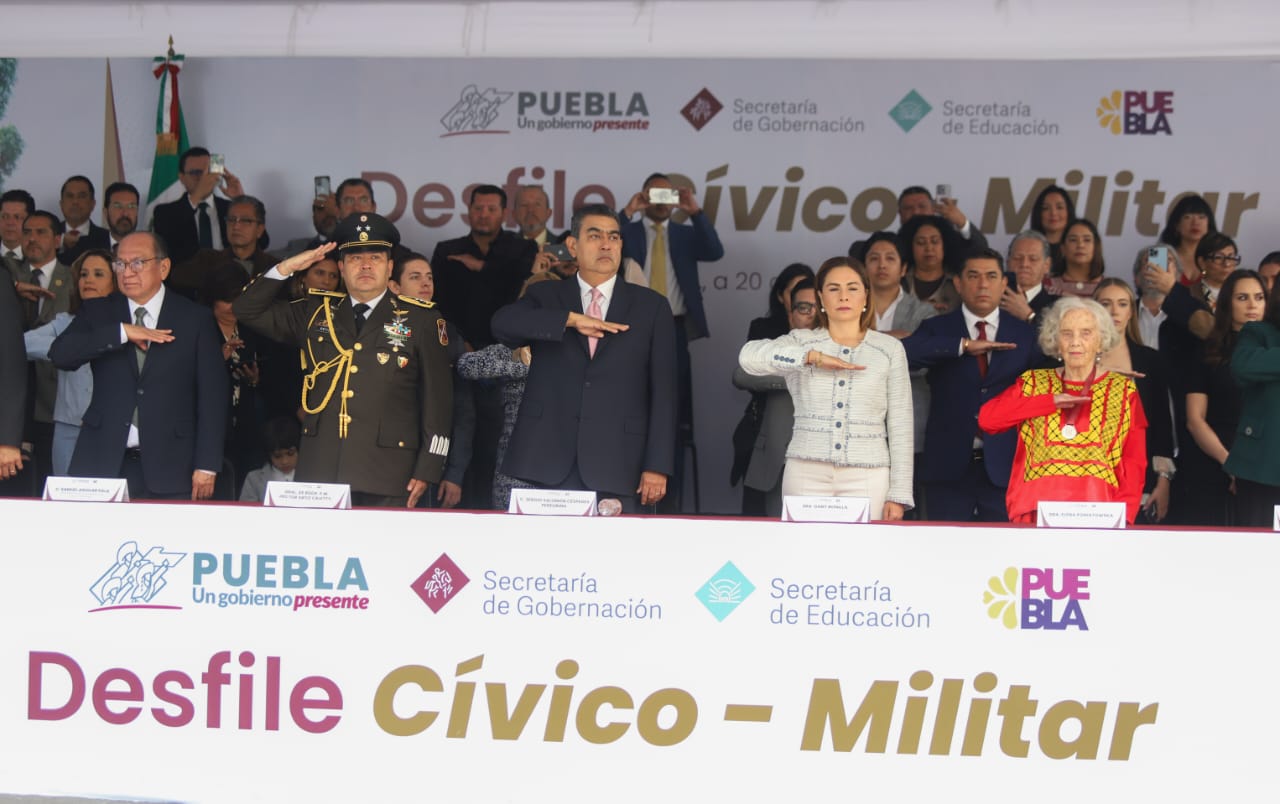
[{"x": 10, "y": 140}]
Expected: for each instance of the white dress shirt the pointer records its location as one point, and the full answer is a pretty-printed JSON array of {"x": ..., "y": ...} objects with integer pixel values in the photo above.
[
  {"x": 606, "y": 290},
  {"x": 150, "y": 320},
  {"x": 213, "y": 219}
]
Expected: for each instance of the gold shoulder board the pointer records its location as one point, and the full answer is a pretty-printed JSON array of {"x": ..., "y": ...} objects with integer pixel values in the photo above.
[
  {"x": 333, "y": 294},
  {"x": 419, "y": 302}
]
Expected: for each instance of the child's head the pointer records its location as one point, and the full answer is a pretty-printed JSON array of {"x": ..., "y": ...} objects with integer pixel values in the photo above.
[{"x": 280, "y": 438}]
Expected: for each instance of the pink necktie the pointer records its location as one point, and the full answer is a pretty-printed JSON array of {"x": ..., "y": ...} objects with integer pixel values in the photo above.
[{"x": 593, "y": 310}]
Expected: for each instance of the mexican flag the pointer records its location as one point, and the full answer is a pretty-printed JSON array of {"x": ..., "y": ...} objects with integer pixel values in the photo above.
[{"x": 171, "y": 131}]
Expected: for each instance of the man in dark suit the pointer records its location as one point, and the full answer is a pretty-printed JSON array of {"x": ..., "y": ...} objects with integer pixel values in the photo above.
[
  {"x": 599, "y": 405},
  {"x": 119, "y": 212},
  {"x": 669, "y": 254},
  {"x": 1029, "y": 260},
  {"x": 972, "y": 354},
  {"x": 378, "y": 397},
  {"x": 246, "y": 222},
  {"x": 531, "y": 210},
  {"x": 41, "y": 234},
  {"x": 79, "y": 233},
  {"x": 15, "y": 206},
  {"x": 13, "y": 378},
  {"x": 160, "y": 389},
  {"x": 324, "y": 216},
  {"x": 917, "y": 200},
  {"x": 475, "y": 275},
  {"x": 190, "y": 224}
]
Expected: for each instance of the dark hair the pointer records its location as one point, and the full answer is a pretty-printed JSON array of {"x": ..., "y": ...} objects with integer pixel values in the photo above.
[
  {"x": 259, "y": 208},
  {"x": 868, "y": 316},
  {"x": 914, "y": 189},
  {"x": 92, "y": 190},
  {"x": 224, "y": 282},
  {"x": 1036, "y": 222},
  {"x": 1214, "y": 241},
  {"x": 347, "y": 184},
  {"x": 282, "y": 432},
  {"x": 488, "y": 189},
  {"x": 1187, "y": 205},
  {"x": 187, "y": 154},
  {"x": 984, "y": 254},
  {"x": 77, "y": 266},
  {"x": 803, "y": 284},
  {"x": 952, "y": 244},
  {"x": 776, "y": 308},
  {"x": 1272, "y": 316},
  {"x": 1221, "y": 341},
  {"x": 1131, "y": 331},
  {"x": 55, "y": 223},
  {"x": 882, "y": 237},
  {"x": 1272, "y": 258},
  {"x": 1096, "y": 266},
  {"x": 652, "y": 177},
  {"x": 119, "y": 187},
  {"x": 158, "y": 245},
  {"x": 21, "y": 196},
  {"x": 588, "y": 210},
  {"x": 400, "y": 256}
]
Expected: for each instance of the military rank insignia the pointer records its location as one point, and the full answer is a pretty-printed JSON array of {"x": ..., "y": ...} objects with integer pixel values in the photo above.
[{"x": 440, "y": 331}]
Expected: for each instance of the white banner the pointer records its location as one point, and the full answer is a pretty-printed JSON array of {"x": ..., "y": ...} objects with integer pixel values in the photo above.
[
  {"x": 793, "y": 160},
  {"x": 254, "y": 654}
]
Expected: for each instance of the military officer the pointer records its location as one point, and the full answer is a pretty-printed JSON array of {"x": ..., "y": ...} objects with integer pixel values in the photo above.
[{"x": 377, "y": 391}]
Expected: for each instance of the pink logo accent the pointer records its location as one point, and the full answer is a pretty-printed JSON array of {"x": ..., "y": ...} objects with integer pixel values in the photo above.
[{"x": 440, "y": 583}]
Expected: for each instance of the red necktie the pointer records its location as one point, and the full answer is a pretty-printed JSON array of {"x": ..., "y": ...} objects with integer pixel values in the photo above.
[{"x": 982, "y": 356}]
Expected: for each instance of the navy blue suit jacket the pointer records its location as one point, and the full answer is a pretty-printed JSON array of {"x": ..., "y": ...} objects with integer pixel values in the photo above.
[
  {"x": 958, "y": 389},
  {"x": 176, "y": 223},
  {"x": 615, "y": 414},
  {"x": 182, "y": 394},
  {"x": 689, "y": 243}
]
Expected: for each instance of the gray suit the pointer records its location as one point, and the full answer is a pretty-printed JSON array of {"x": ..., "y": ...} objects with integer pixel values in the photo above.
[
  {"x": 764, "y": 471},
  {"x": 907, "y": 316},
  {"x": 46, "y": 375}
]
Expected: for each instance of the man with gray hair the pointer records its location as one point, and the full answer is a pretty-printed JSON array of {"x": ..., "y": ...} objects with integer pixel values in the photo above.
[
  {"x": 1026, "y": 297},
  {"x": 246, "y": 224}
]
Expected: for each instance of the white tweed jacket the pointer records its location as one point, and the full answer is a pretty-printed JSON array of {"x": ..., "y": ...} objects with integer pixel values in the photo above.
[{"x": 846, "y": 418}]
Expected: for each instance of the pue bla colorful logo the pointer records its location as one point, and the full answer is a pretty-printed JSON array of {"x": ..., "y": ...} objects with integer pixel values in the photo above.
[
  {"x": 135, "y": 579},
  {"x": 1038, "y": 598},
  {"x": 1136, "y": 111}
]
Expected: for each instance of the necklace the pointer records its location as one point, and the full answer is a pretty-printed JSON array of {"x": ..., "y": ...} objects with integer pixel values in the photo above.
[{"x": 1070, "y": 418}]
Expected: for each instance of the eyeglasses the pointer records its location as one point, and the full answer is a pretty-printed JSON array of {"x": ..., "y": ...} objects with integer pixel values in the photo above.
[
  {"x": 1224, "y": 259},
  {"x": 803, "y": 308},
  {"x": 232, "y": 220},
  {"x": 117, "y": 206},
  {"x": 195, "y": 174},
  {"x": 135, "y": 265}
]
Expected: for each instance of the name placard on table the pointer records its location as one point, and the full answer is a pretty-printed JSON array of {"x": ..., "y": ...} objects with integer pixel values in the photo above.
[
  {"x": 826, "y": 509},
  {"x": 284, "y": 494},
  {"x": 1104, "y": 515},
  {"x": 552, "y": 502},
  {"x": 86, "y": 489}
]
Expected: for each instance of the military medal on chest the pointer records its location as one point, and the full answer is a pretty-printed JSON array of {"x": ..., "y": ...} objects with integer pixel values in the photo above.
[{"x": 398, "y": 332}]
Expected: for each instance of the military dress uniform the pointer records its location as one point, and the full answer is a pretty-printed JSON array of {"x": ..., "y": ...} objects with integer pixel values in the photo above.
[{"x": 378, "y": 403}]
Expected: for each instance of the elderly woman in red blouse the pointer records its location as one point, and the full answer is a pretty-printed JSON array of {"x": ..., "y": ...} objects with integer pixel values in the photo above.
[{"x": 1081, "y": 428}]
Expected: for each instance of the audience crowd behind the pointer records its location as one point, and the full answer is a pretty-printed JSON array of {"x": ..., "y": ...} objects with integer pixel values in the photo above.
[{"x": 939, "y": 378}]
